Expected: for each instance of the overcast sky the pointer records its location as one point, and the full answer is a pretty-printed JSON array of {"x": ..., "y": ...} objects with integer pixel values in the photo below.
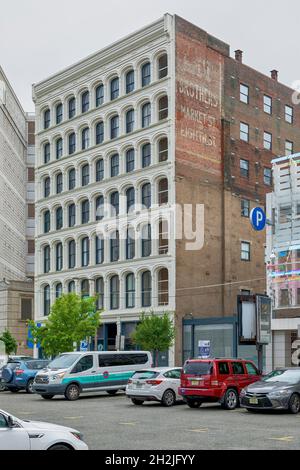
[{"x": 40, "y": 37}]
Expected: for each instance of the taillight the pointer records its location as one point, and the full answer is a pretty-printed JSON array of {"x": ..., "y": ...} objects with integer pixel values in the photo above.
[
  {"x": 19, "y": 371},
  {"x": 130, "y": 381},
  {"x": 153, "y": 382}
]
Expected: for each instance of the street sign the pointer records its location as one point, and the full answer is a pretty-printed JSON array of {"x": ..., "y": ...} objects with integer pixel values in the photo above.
[
  {"x": 258, "y": 219},
  {"x": 204, "y": 349},
  {"x": 84, "y": 346}
]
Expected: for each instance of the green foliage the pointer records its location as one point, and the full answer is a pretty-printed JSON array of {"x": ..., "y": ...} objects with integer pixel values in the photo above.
[
  {"x": 154, "y": 333},
  {"x": 11, "y": 345},
  {"x": 72, "y": 319}
]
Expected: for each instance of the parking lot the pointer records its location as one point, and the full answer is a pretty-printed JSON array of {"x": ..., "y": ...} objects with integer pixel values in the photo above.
[{"x": 113, "y": 423}]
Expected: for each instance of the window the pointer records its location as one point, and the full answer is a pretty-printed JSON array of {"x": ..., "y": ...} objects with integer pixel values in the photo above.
[
  {"x": 114, "y": 127},
  {"x": 71, "y": 287},
  {"x": 114, "y": 201},
  {"x": 130, "y": 160},
  {"x": 267, "y": 141},
  {"x": 114, "y": 165},
  {"x": 289, "y": 147},
  {"x": 72, "y": 254},
  {"x": 146, "y": 155},
  {"x": 114, "y": 247},
  {"x": 99, "y": 95},
  {"x": 289, "y": 114},
  {"x": 72, "y": 143},
  {"x": 114, "y": 89},
  {"x": 99, "y": 133},
  {"x": 244, "y": 168},
  {"x": 99, "y": 170},
  {"x": 285, "y": 214},
  {"x": 223, "y": 368},
  {"x": 129, "y": 121},
  {"x": 59, "y": 257},
  {"x": 114, "y": 293},
  {"x": 59, "y": 183},
  {"x": 268, "y": 104},
  {"x": 85, "y": 102},
  {"x": 85, "y": 288},
  {"x": 163, "y": 150},
  {"x": 85, "y": 212},
  {"x": 130, "y": 291},
  {"x": 251, "y": 370},
  {"x": 47, "y": 119},
  {"x": 163, "y": 287},
  {"x": 59, "y": 148},
  {"x": 47, "y": 260},
  {"x": 146, "y": 195},
  {"x": 46, "y": 300},
  {"x": 146, "y": 241},
  {"x": 284, "y": 299},
  {"x": 163, "y": 192},
  {"x": 26, "y": 310},
  {"x": 245, "y": 208},
  {"x": 85, "y": 175},
  {"x": 146, "y": 289},
  {"x": 72, "y": 179},
  {"x": 47, "y": 222},
  {"x": 244, "y": 93},
  {"x": 244, "y": 132},
  {"x": 99, "y": 250},
  {"x": 99, "y": 208},
  {"x": 268, "y": 176},
  {"x": 163, "y": 66},
  {"x": 163, "y": 108},
  {"x": 130, "y": 81},
  {"x": 47, "y": 187},
  {"x": 130, "y": 199},
  {"x": 100, "y": 293},
  {"x": 237, "y": 368},
  {"x": 86, "y": 363},
  {"x": 47, "y": 153},
  {"x": 85, "y": 138},
  {"x": 163, "y": 246},
  {"x": 59, "y": 218},
  {"x": 59, "y": 113},
  {"x": 146, "y": 115},
  {"x": 72, "y": 215},
  {"x": 72, "y": 107},
  {"x": 130, "y": 244},
  {"x": 85, "y": 252},
  {"x": 245, "y": 251},
  {"x": 146, "y": 74}
]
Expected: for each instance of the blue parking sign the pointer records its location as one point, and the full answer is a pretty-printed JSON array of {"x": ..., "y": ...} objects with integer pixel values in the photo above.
[{"x": 258, "y": 219}]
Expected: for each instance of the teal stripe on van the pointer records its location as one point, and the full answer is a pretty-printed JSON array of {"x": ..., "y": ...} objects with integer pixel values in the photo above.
[{"x": 89, "y": 379}]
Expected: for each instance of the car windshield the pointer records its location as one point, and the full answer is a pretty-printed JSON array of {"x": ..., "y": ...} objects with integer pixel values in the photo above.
[
  {"x": 145, "y": 374},
  {"x": 64, "y": 362},
  {"x": 288, "y": 376},
  {"x": 198, "y": 368}
]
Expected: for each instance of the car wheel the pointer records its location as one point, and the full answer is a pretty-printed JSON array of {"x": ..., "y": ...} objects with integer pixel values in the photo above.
[
  {"x": 14, "y": 390},
  {"x": 112, "y": 392},
  {"x": 169, "y": 398},
  {"x": 137, "y": 402},
  {"x": 29, "y": 386},
  {"x": 72, "y": 392},
  {"x": 2, "y": 386},
  {"x": 231, "y": 400},
  {"x": 47, "y": 397},
  {"x": 194, "y": 403},
  {"x": 294, "y": 404},
  {"x": 59, "y": 447}
]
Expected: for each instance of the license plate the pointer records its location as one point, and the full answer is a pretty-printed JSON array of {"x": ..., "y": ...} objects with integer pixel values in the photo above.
[
  {"x": 139, "y": 385},
  {"x": 253, "y": 401},
  {"x": 195, "y": 383}
]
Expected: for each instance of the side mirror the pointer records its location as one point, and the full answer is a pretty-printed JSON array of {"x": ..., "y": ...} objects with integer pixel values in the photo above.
[{"x": 10, "y": 421}]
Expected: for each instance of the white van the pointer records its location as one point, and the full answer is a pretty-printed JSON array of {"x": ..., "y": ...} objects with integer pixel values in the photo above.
[{"x": 71, "y": 374}]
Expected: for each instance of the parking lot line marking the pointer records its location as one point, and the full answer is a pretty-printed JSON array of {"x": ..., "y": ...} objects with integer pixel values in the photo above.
[
  {"x": 128, "y": 424},
  {"x": 198, "y": 430},
  {"x": 73, "y": 417},
  {"x": 282, "y": 439}
]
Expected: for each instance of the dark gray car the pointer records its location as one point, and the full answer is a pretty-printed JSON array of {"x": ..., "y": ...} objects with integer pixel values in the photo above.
[{"x": 279, "y": 390}]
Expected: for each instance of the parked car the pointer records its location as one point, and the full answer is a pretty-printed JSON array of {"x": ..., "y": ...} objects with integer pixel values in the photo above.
[
  {"x": 16, "y": 434},
  {"x": 279, "y": 390},
  {"x": 2, "y": 383},
  {"x": 216, "y": 381},
  {"x": 19, "y": 358},
  {"x": 159, "y": 384},
  {"x": 19, "y": 375}
]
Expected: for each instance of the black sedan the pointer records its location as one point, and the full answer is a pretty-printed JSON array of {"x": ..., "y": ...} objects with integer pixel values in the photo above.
[{"x": 279, "y": 390}]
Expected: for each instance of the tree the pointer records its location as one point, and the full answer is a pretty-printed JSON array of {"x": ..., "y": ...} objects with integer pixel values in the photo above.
[
  {"x": 71, "y": 320},
  {"x": 10, "y": 343},
  {"x": 154, "y": 333}
]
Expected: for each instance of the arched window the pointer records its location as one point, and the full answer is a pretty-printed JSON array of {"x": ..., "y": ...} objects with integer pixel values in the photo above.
[
  {"x": 130, "y": 81},
  {"x": 163, "y": 108},
  {"x": 59, "y": 148},
  {"x": 85, "y": 138},
  {"x": 163, "y": 66},
  {"x": 100, "y": 293},
  {"x": 114, "y": 88},
  {"x": 146, "y": 74},
  {"x": 114, "y": 247},
  {"x": 59, "y": 257},
  {"x": 99, "y": 250},
  {"x": 71, "y": 254},
  {"x": 99, "y": 203},
  {"x": 58, "y": 290},
  {"x": 46, "y": 300},
  {"x": 85, "y": 252},
  {"x": 146, "y": 241},
  {"x": 146, "y": 115},
  {"x": 99, "y": 133},
  {"x": 59, "y": 183},
  {"x": 47, "y": 119},
  {"x": 59, "y": 113},
  {"x": 146, "y": 155},
  {"x": 72, "y": 107},
  {"x": 85, "y": 102},
  {"x": 163, "y": 248},
  {"x": 114, "y": 127},
  {"x": 99, "y": 95},
  {"x": 47, "y": 153},
  {"x": 163, "y": 287},
  {"x": 47, "y": 259},
  {"x": 129, "y": 121},
  {"x": 85, "y": 211},
  {"x": 114, "y": 293},
  {"x": 72, "y": 215},
  {"x": 130, "y": 244},
  {"x": 130, "y": 291},
  {"x": 72, "y": 143},
  {"x": 99, "y": 170},
  {"x": 130, "y": 160},
  {"x": 71, "y": 287},
  {"x": 47, "y": 222},
  {"x": 146, "y": 195},
  {"x": 114, "y": 165},
  {"x": 114, "y": 201},
  {"x": 59, "y": 218},
  {"x": 47, "y": 187},
  {"x": 72, "y": 179},
  {"x": 163, "y": 150},
  {"x": 146, "y": 289},
  {"x": 130, "y": 199},
  {"x": 85, "y": 175},
  {"x": 163, "y": 192},
  {"x": 85, "y": 288}
]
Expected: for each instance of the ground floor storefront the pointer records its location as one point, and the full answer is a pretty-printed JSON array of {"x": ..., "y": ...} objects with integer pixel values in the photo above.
[{"x": 285, "y": 348}]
